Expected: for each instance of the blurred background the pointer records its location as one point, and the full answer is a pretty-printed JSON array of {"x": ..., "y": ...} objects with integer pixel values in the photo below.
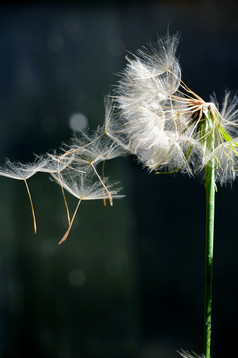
[{"x": 129, "y": 280}]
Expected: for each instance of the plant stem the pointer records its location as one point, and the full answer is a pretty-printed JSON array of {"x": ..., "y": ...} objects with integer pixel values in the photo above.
[{"x": 210, "y": 215}]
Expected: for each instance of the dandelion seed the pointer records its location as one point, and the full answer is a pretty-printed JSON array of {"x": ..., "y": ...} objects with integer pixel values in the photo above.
[
  {"x": 55, "y": 164},
  {"x": 95, "y": 148},
  {"x": 70, "y": 223},
  {"x": 23, "y": 172},
  {"x": 84, "y": 187}
]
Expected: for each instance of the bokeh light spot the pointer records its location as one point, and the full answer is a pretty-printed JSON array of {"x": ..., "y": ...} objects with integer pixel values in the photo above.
[{"x": 78, "y": 121}]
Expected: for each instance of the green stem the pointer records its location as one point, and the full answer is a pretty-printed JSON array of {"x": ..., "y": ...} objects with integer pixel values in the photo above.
[{"x": 210, "y": 215}]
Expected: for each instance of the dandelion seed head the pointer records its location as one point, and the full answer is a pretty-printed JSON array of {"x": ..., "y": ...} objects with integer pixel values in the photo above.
[{"x": 165, "y": 124}]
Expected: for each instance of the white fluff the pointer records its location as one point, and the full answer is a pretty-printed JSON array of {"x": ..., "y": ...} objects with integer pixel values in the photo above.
[{"x": 156, "y": 117}]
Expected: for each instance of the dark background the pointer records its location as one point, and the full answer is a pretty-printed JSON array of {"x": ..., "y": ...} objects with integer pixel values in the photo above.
[{"x": 128, "y": 282}]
